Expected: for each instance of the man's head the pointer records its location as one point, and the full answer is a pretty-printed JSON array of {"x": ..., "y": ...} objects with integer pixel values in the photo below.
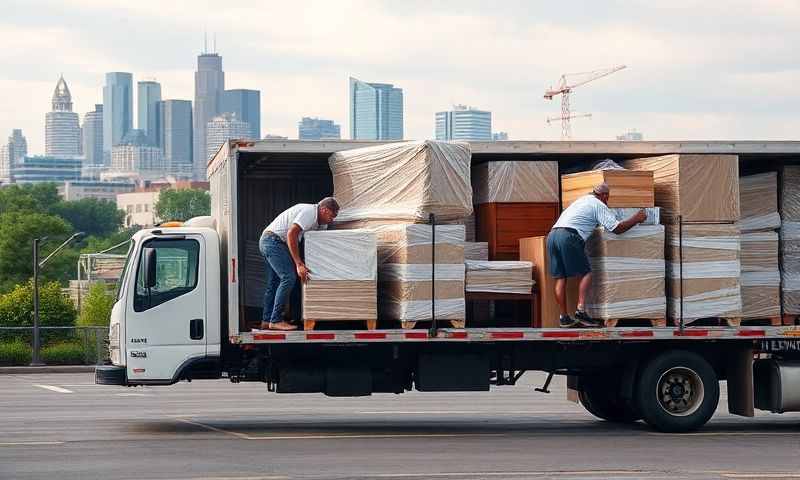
[
  {"x": 327, "y": 209},
  {"x": 601, "y": 192}
]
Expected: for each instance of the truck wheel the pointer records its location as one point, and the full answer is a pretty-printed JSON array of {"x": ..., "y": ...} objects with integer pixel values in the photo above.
[
  {"x": 677, "y": 391},
  {"x": 605, "y": 403}
]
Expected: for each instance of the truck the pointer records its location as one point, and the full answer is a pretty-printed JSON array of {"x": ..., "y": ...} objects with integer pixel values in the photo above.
[{"x": 194, "y": 325}]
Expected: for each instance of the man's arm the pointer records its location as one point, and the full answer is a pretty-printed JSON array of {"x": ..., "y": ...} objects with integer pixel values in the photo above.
[
  {"x": 293, "y": 242},
  {"x": 626, "y": 225}
]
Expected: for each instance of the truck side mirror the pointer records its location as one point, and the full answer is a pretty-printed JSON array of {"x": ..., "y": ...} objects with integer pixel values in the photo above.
[{"x": 149, "y": 267}]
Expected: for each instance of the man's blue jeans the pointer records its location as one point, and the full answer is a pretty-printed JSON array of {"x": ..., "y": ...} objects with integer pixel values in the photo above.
[{"x": 281, "y": 279}]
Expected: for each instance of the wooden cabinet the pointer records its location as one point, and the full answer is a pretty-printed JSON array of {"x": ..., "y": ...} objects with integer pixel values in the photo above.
[
  {"x": 502, "y": 225},
  {"x": 534, "y": 250}
]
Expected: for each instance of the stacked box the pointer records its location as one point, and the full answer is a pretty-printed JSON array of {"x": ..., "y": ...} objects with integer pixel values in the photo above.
[
  {"x": 711, "y": 271},
  {"x": 406, "y": 267},
  {"x": 761, "y": 278},
  {"x": 342, "y": 282},
  {"x": 627, "y": 274},
  {"x": 758, "y": 196},
  {"x": 403, "y": 181},
  {"x": 476, "y": 251},
  {"x": 695, "y": 188},
  {"x": 627, "y": 188},
  {"x": 499, "y": 277},
  {"x": 515, "y": 182},
  {"x": 790, "y": 239},
  {"x": 653, "y": 214}
]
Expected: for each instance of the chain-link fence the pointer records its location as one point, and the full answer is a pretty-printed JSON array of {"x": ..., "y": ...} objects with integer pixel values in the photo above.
[{"x": 59, "y": 345}]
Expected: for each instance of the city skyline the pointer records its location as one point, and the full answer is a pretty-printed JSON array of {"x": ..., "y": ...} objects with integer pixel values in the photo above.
[{"x": 523, "y": 48}]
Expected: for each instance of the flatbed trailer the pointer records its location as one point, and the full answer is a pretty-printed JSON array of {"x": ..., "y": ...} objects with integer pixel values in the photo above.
[{"x": 667, "y": 376}]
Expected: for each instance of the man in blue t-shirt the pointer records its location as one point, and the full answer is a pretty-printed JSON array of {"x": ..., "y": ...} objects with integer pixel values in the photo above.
[{"x": 565, "y": 248}]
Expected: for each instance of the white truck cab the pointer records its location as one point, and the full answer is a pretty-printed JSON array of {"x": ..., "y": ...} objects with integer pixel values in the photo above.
[{"x": 166, "y": 318}]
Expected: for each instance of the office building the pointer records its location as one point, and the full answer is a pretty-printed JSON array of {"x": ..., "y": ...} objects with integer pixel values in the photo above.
[
  {"x": 62, "y": 125},
  {"x": 74, "y": 190},
  {"x": 135, "y": 155},
  {"x": 5, "y": 165},
  {"x": 318, "y": 129},
  {"x": 148, "y": 95},
  {"x": 117, "y": 109},
  {"x": 274, "y": 137},
  {"x": 45, "y": 168},
  {"x": 17, "y": 146},
  {"x": 139, "y": 208},
  {"x": 631, "y": 136},
  {"x": 92, "y": 137},
  {"x": 246, "y": 105},
  {"x": 376, "y": 111},
  {"x": 464, "y": 123},
  {"x": 223, "y": 128},
  {"x": 499, "y": 136},
  {"x": 209, "y": 85},
  {"x": 175, "y": 121}
]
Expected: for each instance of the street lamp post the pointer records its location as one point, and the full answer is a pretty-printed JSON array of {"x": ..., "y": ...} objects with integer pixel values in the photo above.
[{"x": 37, "y": 265}]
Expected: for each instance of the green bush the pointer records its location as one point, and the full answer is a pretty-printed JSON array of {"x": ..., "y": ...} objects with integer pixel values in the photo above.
[
  {"x": 63, "y": 353},
  {"x": 96, "y": 307},
  {"x": 16, "y": 352},
  {"x": 55, "y": 309}
]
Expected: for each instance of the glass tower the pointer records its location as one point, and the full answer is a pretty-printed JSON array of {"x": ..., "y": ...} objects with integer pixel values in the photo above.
[{"x": 376, "y": 111}]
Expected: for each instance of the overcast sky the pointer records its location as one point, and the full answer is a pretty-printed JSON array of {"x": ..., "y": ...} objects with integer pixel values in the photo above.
[{"x": 724, "y": 69}]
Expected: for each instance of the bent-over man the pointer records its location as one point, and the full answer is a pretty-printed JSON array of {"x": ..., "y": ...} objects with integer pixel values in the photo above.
[
  {"x": 565, "y": 248},
  {"x": 280, "y": 246}
]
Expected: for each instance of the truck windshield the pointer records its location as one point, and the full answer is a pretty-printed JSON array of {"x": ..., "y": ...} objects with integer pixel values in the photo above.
[{"x": 125, "y": 269}]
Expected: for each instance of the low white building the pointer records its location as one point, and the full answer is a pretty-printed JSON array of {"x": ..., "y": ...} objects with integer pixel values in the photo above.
[
  {"x": 80, "y": 189},
  {"x": 139, "y": 208}
]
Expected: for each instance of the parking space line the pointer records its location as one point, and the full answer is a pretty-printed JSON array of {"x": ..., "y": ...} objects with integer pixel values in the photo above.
[
  {"x": 53, "y": 388},
  {"x": 28, "y": 444},
  {"x": 213, "y": 429}
]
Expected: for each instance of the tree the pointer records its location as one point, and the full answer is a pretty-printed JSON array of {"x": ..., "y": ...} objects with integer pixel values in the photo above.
[
  {"x": 95, "y": 217},
  {"x": 96, "y": 307},
  {"x": 55, "y": 308},
  {"x": 17, "y": 231},
  {"x": 39, "y": 197},
  {"x": 181, "y": 205}
]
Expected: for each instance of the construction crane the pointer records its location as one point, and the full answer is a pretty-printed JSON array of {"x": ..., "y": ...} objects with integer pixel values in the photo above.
[{"x": 567, "y": 83}]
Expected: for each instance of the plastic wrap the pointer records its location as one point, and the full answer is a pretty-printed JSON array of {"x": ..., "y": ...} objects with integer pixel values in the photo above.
[
  {"x": 476, "y": 251},
  {"x": 514, "y": 181},
  {"x": 790, "y": 261},
  {"x": 403, "y": 181},
  {"x": 724, "y": 302},
  {"x": 653, "y": 214},
  {"x": 700, "y": 188},
  {"x": 499, "y": 277},
  {"x": 760, "y": 252},
  {"x": 343, "y": 275},
  {"x": 411, "y": 243},
  {"x": 758, "y": 200},
  {"x": 790, "y": 193},
  {"x": 607, "y": 164},
  {"x": 627, "y": 274}
]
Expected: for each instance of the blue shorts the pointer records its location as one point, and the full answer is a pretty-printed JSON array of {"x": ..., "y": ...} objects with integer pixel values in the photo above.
[{"x": 565, "y": 250}]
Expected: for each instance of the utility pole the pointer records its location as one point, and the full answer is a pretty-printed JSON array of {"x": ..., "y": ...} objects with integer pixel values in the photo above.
[{"x": 35, "y": 361}]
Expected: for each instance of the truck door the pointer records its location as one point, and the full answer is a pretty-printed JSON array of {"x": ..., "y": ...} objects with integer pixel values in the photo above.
[{"x": 166, "y": 325}]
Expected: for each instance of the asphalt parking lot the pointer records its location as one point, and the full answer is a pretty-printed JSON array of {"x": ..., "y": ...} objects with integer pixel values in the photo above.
[{"x": 63, "y": 426}]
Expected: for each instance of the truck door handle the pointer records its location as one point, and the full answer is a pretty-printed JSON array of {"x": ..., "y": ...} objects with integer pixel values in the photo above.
[{"x": 196, "y": 329}]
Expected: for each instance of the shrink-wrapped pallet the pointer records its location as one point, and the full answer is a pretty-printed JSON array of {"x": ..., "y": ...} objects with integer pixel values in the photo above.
[
  {"x": 405, "y": 273},
  {"x": 627, "y": 274},
  {"x": 403, "y": 181},
  {"x": 515, "y": 181},
  {"x": 499, "y": 277},
  {"x": 790, "y": 239},
  {"x": 627, "y": 188},
  {"x": 758, "y": 201},
  {"x": 343, "y": 275},
  {"x": 476, "y": 251},
  {"x": 761, "y": 278},
  {"x": 653, "y": 214},
  {"x": 711, "y": 272},
  {"x": 699, "y": 188}
]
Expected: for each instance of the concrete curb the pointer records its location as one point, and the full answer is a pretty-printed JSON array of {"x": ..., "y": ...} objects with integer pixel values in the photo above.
[{"x": 48, "y": 369}]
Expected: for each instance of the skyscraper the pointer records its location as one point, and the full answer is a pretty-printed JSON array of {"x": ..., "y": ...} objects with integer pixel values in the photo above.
[
  {"x": 223, "y": 128},
  {"x": 148, "y": 94},
  {"x": 134, "y": 155},
  {"x": 62, "y": 126},
  {"x": 318, "y": 129},
  {"x": 209, "y": 85},
  {"x": 175, "y": 119},
  {"x": 5, "y": 165},
  {"x": 246, "y": 104},
  {"x": 117, "y": 109},
  {"x": 464, "y": 123},
  {"x": 17, "y": 146},
  {"x": 93, "y": 136},
  {"x": 376, "y": 111}
]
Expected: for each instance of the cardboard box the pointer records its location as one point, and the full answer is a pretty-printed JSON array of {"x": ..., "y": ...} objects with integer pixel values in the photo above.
[
  {"x": 515, "y": 181},
  {"x": 626, "y": 188},
  {"x": 761, "y": 277},
  {"x": 790, "y": 239},
  {"x": 700, "y": 188},
  {"x": 476, "y": 251},
  {"x": 499, "y": 277},
  {"x": 758, "y": 201}
]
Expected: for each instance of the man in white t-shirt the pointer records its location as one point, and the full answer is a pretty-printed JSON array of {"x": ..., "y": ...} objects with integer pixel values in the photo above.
[
  {"x": 280, "y": 246},
  {"x": 565, "y": 248}
]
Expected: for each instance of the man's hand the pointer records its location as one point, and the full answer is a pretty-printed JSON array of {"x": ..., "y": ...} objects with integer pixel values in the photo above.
[
  {"x": 302, "y": 272},
  {"x": 640, "y": 216}
]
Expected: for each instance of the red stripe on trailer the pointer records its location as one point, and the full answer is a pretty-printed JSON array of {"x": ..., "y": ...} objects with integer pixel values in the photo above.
[
  {"x": 269, "y": 336},
  {"x": 690, "y": 333},
  {"x": 320, "y": 336},
  {"x": 507, "y": 335},
  {"x": 459, "y": 335},
  {"x": 638, "y": 333},
  {"x": 751, "y": 333},
  {"x": 369, "y": 335},
  {"x": 422, "y": 335},
  {"x": 565, "y": 334}
]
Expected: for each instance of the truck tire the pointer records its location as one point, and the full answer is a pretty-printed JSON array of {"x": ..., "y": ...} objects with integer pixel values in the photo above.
[
  {"x": 677, "y": 391},
  {"x": 604, "y": 401}
]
